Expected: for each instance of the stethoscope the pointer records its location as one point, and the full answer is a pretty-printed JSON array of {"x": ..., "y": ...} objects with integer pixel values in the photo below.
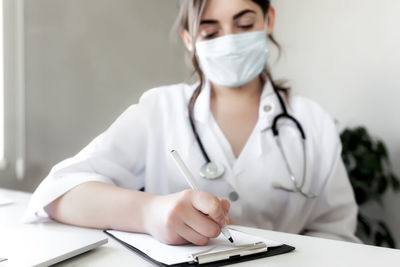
[{"x": 212, "y": 170}]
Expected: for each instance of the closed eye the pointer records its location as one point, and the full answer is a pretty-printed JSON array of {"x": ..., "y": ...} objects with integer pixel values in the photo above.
[
  {"x": 246, "y": 26},
  {"x": 210, "y": 36}
]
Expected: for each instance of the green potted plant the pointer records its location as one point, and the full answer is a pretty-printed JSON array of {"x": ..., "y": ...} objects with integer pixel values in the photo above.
[{"x": 370, "y": 172}]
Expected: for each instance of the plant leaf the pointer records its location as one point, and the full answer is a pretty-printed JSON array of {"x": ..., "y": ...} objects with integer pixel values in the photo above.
[
  {"x": 386, "y": 234},
  {"x": 364, "y": 225},
  {"x": 378, "y": 239},
  {"x": 395, "y": 183},
  {"x": 382, "y": 185},
  {"x": 381, "y": 150}
]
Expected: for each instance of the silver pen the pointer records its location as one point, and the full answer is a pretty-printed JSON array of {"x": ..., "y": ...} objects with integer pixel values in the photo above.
[{"x": 193, "y": 184}]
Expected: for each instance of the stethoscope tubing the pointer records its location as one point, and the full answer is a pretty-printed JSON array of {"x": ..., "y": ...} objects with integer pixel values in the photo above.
[
  {"x": 275, "y": 131},
  {"x": 193, "y": 126}
]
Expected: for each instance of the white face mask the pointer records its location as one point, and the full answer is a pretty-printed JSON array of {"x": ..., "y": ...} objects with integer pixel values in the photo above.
[{"x": 233, "y": 60}]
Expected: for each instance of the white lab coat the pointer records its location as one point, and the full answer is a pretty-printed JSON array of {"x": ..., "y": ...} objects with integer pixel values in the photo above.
[{"x": 135, "y": 153}]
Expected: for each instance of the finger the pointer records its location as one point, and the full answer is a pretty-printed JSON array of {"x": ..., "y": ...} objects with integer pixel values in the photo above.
[
  {"x": 201, "y": 223},
  {"x": 209, "y": 205},
  {"x": 225, "y": 206},
  {"x": 192, "y": 236},
  {"x": 176, "y": 241}
]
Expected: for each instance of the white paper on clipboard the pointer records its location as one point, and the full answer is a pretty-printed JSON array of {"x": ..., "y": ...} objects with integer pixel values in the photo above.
[{"x": 171, "y": 255}]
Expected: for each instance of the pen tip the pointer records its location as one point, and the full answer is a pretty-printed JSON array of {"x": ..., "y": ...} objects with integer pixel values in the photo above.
[{"x": 230, "y": 240}]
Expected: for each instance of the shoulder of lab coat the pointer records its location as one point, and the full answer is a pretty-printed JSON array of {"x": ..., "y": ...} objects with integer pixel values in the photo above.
[
  {"x": 335, "y": 210},
  {"x": 117, "y": 156}
]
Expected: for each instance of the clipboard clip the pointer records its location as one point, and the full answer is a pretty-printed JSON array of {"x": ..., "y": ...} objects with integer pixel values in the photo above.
[{"x": 238, "y": 251}]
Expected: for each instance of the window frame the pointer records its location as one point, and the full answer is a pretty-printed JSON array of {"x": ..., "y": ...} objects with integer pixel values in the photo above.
[
  {"x": 2, "y": 90},
  {"x": 13, "y": 32}
]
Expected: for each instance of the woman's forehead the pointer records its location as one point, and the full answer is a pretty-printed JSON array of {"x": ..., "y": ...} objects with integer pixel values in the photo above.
[{"x": 227, "y": 9}]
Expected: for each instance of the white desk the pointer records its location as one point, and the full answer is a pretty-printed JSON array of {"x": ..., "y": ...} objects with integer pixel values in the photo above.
[{"x": 309, "y": 251}]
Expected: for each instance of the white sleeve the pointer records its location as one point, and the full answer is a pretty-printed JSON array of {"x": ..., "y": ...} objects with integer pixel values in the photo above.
[
  {"x": 334, "y": 215},
  {"x": 114, "y": 157}
]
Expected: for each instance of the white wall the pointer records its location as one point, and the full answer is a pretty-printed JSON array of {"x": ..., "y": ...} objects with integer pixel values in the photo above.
[
  {"x": 345, "y": 54},
  {"x": 86, "y": 61},
  {"x": 2, "y": 152}
]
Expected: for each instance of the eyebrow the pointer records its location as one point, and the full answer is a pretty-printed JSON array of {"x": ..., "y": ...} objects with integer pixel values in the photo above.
[
  {"x": 235, "y": 17},
  {"x": 244, "y": 12}
]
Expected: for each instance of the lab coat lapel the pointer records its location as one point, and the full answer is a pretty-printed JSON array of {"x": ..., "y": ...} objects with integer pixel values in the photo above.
[
  {"x": 255, "y": 147},
  {"x": 269, "y": 107}
]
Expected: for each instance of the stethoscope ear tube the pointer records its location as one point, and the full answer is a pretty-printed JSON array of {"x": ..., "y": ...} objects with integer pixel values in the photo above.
[
  {"x": 297, "y": 188},
  {"x": 275, "y": 132},
  {"x": 286, "y": 115}
]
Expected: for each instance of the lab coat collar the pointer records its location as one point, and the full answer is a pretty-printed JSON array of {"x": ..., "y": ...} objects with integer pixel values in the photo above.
[
  {"x": 202, "y": 110},
  {"x": 269, "y": 107}
]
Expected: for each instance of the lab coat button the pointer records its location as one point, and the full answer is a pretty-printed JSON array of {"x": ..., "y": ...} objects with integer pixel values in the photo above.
[
  {"x": 233, "y": 196},
  {"x": 267, "y": 108}
]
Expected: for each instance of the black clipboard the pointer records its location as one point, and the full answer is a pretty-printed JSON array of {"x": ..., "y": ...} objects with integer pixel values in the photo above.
[{"x": 272, "y": 251}]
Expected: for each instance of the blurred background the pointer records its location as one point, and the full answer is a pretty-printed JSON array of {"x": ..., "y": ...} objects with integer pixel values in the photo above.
[{"x": 71, "y": 67}]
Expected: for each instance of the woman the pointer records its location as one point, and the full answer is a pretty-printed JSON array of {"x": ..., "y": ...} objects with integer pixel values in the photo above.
[{"x": 227, "y": 118}]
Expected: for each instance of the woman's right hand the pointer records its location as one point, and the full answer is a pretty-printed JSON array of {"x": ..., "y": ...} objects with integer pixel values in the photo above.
[{"x": 186, "y": 217}]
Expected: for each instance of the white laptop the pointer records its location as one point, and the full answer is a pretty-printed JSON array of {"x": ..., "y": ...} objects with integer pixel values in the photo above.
[{"x": 41, "y": 245}]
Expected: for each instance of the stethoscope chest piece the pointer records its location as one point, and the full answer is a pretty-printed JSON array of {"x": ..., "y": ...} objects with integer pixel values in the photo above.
[{"x": 212, "y": 170}]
